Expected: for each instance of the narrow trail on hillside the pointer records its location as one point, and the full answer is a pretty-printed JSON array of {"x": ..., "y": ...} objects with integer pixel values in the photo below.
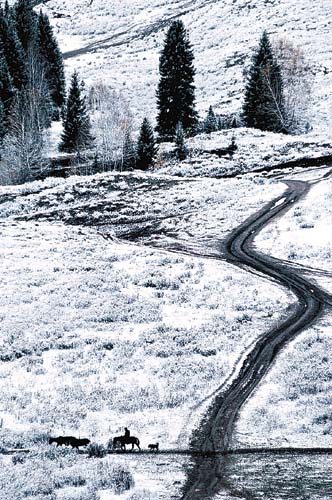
[
  {"x": 140, "y": 30},
  {"x": 206, "y": 477}
]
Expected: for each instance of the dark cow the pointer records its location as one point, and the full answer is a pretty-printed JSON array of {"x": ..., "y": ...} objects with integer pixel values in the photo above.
[{"x": 69, "y": 441}]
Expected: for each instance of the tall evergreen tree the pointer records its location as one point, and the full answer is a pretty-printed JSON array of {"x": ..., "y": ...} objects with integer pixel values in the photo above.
[
  {"x": 52, "y": 60},
  {"x": 7, "y": 10},
  {"x": 264, "y": 101},
  {"x": 6, "y": 84},
  {"x": 176, "y": 90},
  {"x": 12, "y": 49},
  {"x": 26, "y": 23},
  {"x": 76, "y": 123},
  {"x": 3, "y": 123},
  {"x": 146, "y": 146}
]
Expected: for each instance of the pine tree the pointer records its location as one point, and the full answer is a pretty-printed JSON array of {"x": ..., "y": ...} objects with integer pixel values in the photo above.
[
  {"x": 52, "y": 60},
  {"x": 210, "y": 122},
  {"x": 7, "y": 10},
  {"x": 13, "y": 51},
  {"x": 26, "y": 23},
  {"x": 176, "y": 91},
  {"x": 263, "y": 101},
  {"x": 129, "y": 153},
  {"x": 233, "y": 146},
  {"x": 146, "y": 146},
  {"x": 76, "y": 123},
  {"x": 3, "y": 123},
  {"x": 6, "y": 84},
  {"x": 180, "y": 147}
]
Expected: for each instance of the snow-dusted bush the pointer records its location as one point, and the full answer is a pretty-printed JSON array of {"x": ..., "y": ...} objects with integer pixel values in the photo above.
[
  {"x": 89, "y": 493},
  {"x": 116, "y": 477},
  {"x": 142, "y": 495},
  {"x": 97, "y": 450}
]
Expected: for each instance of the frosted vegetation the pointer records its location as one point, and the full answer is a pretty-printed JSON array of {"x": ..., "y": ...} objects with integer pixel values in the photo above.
[
  {"x": 99, "y": 334},
  {"x": 291, "y": 407},
  {"x": 49, "y": 474},
  {"x": 256, "y": 150},
  {"x": 304, "y": 234}
]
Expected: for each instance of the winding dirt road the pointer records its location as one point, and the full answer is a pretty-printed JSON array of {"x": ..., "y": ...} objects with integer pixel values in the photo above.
[{"x": 206, "y": 478}]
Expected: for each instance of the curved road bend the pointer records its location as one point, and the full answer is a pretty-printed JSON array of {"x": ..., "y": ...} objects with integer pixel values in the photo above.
[{"x": 205, "y": 478}]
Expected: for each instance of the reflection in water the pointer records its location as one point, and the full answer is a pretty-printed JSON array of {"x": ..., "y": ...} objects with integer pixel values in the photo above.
[{"x": 260, "y": 476}]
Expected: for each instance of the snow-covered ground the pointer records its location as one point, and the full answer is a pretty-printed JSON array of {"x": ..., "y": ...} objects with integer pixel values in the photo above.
[
  {"x": 223, "y": 34},
  {"x": 292, "y": 406},
  {"x": 98, "y": 334},
  {"x": 256, "y": 150},
  {"x": 304, "y": 234}
]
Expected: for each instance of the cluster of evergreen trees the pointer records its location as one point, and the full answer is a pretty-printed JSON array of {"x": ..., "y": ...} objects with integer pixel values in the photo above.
[
  {"x": 28, "y": 51},
  {"x": 32, "y": 93},
  {"x": 263, "y": 102},
  {"x": 264, "y": 105},
  {"x": 32, "y": 88},
  {"x": 177, "y": 117}
]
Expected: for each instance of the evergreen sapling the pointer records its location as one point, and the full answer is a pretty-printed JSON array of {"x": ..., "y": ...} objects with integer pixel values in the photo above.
[
  {"x": 146, "y": 146},
  {"x": 180, "y": 147},
  {"x": 76, "y": 122}
]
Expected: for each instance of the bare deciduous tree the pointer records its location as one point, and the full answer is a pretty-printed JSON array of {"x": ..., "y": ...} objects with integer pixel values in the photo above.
[
  {"x": 23, "y": 151},
  {"x": 111, "y": 120},
  {"x": 297, "y": 81}
]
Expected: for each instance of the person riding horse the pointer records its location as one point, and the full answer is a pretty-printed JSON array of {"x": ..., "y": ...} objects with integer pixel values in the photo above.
[{"x": 126, "y": 439}]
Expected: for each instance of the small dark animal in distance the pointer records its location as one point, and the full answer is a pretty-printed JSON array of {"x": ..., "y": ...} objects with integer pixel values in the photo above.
[
  {"x": 154, "y": 447},
  {"x": 69, "y": 441}
]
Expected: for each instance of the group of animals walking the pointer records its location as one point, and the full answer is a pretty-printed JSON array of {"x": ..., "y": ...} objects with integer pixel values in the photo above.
[{"x": 118, "y": 442}]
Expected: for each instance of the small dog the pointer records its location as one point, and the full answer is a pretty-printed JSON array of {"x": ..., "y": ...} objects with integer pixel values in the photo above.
[{"x": 154, "y": 447}]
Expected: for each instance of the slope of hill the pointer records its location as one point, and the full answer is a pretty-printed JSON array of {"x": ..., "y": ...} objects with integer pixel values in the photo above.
[{"x": 120, "y": 42}]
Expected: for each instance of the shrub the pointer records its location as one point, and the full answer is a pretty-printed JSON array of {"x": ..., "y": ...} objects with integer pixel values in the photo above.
[
  {"x": 141, "y": 495},
  {"x": 86, "y": 494},
  {"x": 114, "y": 477},
  {"x": 19, "y": 458},
  {"x": 97, "y": 450}
]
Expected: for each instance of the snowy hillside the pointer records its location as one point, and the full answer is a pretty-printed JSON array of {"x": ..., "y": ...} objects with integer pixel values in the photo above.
[{"x": 120, "y": 42}]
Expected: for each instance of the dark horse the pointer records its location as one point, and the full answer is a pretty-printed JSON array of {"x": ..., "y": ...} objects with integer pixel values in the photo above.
[
  {"x": 123, "y": 440},
  {"x": 69, "y": 441}
]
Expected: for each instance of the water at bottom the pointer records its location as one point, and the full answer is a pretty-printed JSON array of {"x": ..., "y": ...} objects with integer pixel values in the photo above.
[{"x": 277, "y": 477}]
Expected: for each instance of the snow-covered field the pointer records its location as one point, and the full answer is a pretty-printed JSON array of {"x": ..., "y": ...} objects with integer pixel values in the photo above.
[
  {"x": 102, "y": 326},
  {"x": 292, "y": 406},
  {"x": 98, "y": 335},
  {"x": 256, "y": 150},
  {"x": 130, "y": 35},
  {"x": 304, "y": 234}
]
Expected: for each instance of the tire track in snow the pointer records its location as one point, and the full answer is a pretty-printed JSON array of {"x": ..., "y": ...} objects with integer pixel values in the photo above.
[{"x": 206, "y": 477}]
